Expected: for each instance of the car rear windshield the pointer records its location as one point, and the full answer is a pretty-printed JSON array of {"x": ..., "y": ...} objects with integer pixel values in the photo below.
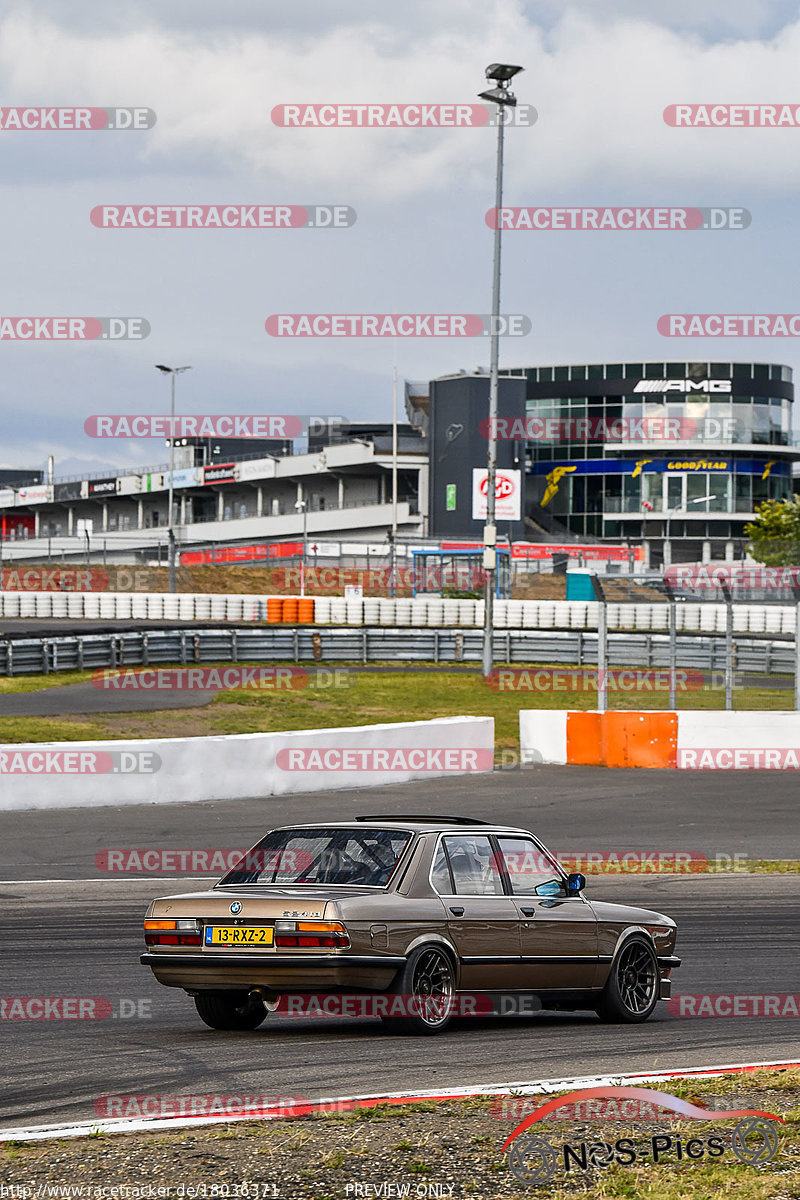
[{"x": 365, "y": 857}]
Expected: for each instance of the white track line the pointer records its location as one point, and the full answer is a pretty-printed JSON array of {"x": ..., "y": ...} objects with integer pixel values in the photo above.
[{"x": 76, "y": 1129}]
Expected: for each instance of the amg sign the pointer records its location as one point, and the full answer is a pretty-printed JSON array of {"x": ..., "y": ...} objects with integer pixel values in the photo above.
[{"x": 683, "y": 385}]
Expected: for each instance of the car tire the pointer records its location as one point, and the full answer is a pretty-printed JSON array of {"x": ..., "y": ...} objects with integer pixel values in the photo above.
[
  {"x": 426, "y": 985},
  {"x": 633, "y": 986},
  {"x": 230, "y": 1010}
]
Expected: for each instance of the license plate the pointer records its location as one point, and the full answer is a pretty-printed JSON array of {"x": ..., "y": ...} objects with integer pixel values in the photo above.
[{"x": 239, "y": 935}]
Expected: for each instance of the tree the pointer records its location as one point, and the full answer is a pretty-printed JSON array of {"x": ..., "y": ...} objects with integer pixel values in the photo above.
[{"x": 775, "y": 533}]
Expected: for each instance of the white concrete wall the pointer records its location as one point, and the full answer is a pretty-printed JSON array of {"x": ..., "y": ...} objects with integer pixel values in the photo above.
[
  {"x": 227, "y": 768},
  {"x": 543, "y": 735},
  {"x": 698, "y": 730}
]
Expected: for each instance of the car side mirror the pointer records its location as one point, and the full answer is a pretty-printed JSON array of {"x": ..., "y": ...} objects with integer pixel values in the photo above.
[{"x": 575, "y": 883}]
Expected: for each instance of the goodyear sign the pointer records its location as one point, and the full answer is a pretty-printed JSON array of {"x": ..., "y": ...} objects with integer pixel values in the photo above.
[{"x": 640, "y": 466}]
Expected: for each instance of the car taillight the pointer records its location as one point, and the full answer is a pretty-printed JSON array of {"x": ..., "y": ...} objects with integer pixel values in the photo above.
[
  {"x": 172, "y": 933},
  {"x": 311, "y": 934}
]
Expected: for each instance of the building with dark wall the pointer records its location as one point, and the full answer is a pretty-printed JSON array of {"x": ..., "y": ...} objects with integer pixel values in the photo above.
[
  {"x": 14, "y": 477},
  {"x": 457, "y": 418},
  {"x": 674, "y": 454}
]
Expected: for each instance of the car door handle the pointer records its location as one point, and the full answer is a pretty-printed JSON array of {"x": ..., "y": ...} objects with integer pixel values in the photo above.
[
  {"x": 457, "y": 912},
  {"x": 529, "y": 912}
]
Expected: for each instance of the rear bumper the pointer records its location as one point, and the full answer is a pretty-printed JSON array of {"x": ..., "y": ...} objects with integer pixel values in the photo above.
[{"x": 278, "y": 972}]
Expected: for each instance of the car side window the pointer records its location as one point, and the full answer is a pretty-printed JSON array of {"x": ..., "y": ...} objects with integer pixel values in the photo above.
[
  {"x": 531, "y": 871},
  {"x": 475, "y": 869}
]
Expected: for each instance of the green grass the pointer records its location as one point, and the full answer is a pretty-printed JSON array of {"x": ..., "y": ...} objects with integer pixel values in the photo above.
[
  {"x": 39, "y": 683},
  {"x": 360, "y": 697}
]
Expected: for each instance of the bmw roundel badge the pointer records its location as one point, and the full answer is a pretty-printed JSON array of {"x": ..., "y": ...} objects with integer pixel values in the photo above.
[{"x": 236, "y": 907}]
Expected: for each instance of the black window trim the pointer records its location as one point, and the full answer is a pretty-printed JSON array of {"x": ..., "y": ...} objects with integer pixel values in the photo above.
[{"x": 508, "y": 891}]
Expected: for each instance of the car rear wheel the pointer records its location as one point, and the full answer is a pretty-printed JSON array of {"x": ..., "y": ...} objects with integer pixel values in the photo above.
[
  {"x": 424, "y": 991},
  {"x": 632, "y": 989},
  {"x": 230, "y": 1010}
]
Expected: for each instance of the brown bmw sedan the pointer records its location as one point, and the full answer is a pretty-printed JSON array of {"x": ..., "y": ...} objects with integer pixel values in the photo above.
[{"x": 422, "y": 911}]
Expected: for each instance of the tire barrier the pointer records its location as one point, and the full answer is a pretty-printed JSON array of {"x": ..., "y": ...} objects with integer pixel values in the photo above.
[{"x": 421, "y": 612}]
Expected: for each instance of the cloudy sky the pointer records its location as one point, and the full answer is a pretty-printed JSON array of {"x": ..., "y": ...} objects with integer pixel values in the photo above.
[{"x": 599, "y": 72}]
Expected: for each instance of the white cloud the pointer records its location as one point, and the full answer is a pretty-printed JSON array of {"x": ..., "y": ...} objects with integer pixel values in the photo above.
[{"x": 600, "y": 88}]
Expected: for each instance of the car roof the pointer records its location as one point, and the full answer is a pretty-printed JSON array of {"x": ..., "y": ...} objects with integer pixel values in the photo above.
[{"x": 411, "y": 824}]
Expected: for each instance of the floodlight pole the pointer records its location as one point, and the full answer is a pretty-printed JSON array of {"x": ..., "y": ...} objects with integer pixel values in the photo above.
[
  {"x": 393, "y": 577},
  {"x": 503, "y": 98},
  {"x": 170, "y": 501},
  {"x": 172, "y": 372}
]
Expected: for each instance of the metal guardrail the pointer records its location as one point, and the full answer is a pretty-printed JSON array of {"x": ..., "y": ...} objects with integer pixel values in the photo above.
[{"x": 376, "y": 644}]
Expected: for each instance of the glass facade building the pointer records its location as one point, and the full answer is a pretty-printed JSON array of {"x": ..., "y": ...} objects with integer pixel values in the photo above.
[{"x": 677, "y": 452}]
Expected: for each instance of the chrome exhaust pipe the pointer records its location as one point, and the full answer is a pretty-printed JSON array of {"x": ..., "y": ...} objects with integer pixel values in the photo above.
[{"x": 269, "y": 999}]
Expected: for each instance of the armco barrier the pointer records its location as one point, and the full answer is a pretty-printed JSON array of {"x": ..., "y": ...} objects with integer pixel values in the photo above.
[
  {"x": 241, "y": 766},
  {"x": 25, "y": 655},
  {"x": 659, "y": 739}
]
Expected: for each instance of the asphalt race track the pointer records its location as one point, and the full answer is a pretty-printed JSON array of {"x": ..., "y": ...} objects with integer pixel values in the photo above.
[{"x": 69, "y": 929}]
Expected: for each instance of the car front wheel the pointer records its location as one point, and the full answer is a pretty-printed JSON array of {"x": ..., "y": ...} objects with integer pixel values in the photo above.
[
  {"x": 424, "y": 992},
  {"x": 632, "y": 989},
  {"x": 230, "y": 1010}
]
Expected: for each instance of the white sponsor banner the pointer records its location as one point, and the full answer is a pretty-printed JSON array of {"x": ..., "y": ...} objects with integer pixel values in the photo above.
[
  {"x": 257, "y": 468},
  {"x": 8, "y": 498},
  {"x": 128, "y": 484},
  {"x": 508, "y": 494},
  {"x": 365, "y": 548},
  {"x": 39, "y": 494},
  {"x": 185, "y": 477}
]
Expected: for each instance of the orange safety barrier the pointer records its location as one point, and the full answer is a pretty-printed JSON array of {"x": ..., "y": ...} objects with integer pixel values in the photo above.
[
  {"x": 622, "y": 739},
  {"x": 274, "y": 609},
  {"x": 305, "y": 610},
  {"x": 289, "y": 610},
  {"x": 585, "y": 739}
]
